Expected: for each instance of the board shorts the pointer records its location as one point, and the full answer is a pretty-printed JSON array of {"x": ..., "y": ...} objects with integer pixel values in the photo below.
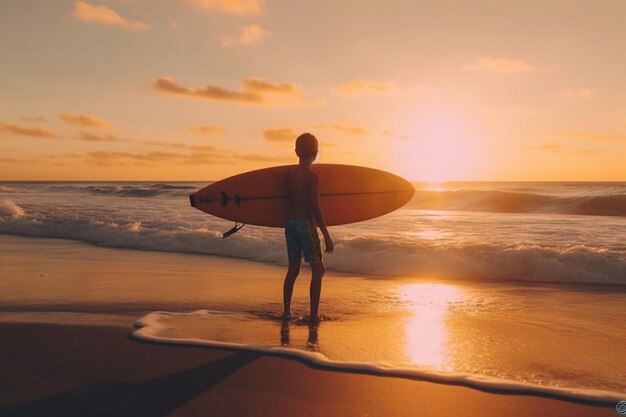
[{"x": 302, "y": 239}]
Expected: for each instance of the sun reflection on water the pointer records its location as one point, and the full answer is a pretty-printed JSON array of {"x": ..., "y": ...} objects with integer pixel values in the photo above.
[{"x": 426, "y": 331}]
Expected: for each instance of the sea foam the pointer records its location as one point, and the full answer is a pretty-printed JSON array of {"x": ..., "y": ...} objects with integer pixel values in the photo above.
[{"x": 8, "y": 208}]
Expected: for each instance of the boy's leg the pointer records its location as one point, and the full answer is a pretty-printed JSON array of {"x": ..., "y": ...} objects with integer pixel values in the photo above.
[
  {"x": 290, "y": 279},
  {"x": 317, "y": 272}
]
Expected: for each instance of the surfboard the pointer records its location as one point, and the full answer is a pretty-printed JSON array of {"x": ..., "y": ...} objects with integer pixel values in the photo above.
[{"x": 348, "y": 194}]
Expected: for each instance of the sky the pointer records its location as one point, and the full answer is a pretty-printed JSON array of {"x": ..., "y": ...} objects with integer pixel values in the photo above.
[{"x": 204, "y": 89}]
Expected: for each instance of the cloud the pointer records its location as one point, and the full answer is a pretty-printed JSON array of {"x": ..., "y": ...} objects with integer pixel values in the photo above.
[
  {"x": 550, "y": 147},
  {"x": 84, "y": 120},
  {"x": 161, "y": 143},
  {"x": 190, "y": 155},
  {"x": 346, "y": 128},
  {"x": 285, "y": 134},
  {"x": 18, "y": 160},
  {"x": 249, "y": 35},
  {"x": 186, "y": 154},
  {"x": 363, "y": 85},
  {"x": 235, "y": 7},
  {"x": 113, "y": 157},
  {"x": 96, "y": 137},
  {"x": 207, "y": 148},
  {"x": 254, "y": 157},
  {"x": 262, "y": 86},
  {"x": 170, "y": 86},
  {"x": 27, "y": 131},
  {"x": 208, "y": 130},
  {"x": 394, "y": 135},
  {"x": 503, "y": 65},
  {"x": 34, "y": 119},
  {"x": 589, "y": 136},
  {"x": 106, "y": 16},
  {"x": 252, "y": 91},
  {"x": 204, "y": 159},
  {"x": 173, "y": 26},
  {"x": 597, "y": 136},
  {"x": 201, "y": 155},
  {"x": 554, "y": 148},
  {"x": 581, "y": 92}
]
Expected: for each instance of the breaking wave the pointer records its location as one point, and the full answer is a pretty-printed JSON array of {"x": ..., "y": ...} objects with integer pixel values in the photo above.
[
  {"x": 373, "y": 254},
  {"x": 8, "y": 208},
  {"x": 518, "y": 202}
]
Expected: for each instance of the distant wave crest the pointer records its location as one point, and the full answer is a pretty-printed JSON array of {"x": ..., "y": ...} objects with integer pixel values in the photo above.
[
  {"x": 140, "y": 190},
  {"x": 518, "y": 202},
  {"x": 7, "y": 189}
]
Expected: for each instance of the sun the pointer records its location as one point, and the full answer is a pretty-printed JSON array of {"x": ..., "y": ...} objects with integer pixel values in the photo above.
[{"x": 440, "y": 148}]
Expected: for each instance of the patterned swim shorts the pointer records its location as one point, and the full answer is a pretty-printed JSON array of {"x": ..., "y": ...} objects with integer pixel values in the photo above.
[{"x": 302, "y": 238}]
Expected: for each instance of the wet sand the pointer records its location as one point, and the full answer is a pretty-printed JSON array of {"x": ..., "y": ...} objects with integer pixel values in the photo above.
[{"x": 97, "y": 370}]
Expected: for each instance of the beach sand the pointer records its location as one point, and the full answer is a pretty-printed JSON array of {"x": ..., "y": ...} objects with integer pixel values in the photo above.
[
  {"x": 66, "y": 315},
  {"x": 71, "y": 370}
]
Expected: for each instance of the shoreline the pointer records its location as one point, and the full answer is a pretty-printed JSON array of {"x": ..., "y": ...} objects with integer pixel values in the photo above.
[
  {"x": 149, "y": 331},
  {"x": 99, "y": 370}
]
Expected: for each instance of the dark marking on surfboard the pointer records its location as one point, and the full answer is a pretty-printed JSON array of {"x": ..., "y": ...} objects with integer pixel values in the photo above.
[
  {"x": 193, "y": 204},
  {"x": 225, "y": 198}
]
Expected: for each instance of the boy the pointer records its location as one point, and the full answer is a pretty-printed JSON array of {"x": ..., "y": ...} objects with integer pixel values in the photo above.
[{"x": 300, "y": 231}]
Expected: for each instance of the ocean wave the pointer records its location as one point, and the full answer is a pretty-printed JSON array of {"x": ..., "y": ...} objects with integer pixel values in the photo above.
[
  {"x": 8, "y": 208},
  {"x": 372, "y": 255},
  {"x": 518, "y": 202},
  {"x": 124, "y": 191},
  {"x": 7, "y": 189},
  {"x": 151, "y": 329},
  {"x": 141, "y": 189}
]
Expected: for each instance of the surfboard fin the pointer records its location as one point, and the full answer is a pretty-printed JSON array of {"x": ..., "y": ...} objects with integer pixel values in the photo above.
[{"x": 234, "y": 230}]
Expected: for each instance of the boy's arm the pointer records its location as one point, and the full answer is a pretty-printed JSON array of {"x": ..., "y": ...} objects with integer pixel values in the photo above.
[{"x": 317, "y": 212}]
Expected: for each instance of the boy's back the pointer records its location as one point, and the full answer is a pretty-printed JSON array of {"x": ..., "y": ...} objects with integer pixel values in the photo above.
[{"x": 299, "y": 183}]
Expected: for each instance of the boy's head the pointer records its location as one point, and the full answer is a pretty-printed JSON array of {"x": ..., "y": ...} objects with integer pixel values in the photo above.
[{"x": 306, "y": 145}]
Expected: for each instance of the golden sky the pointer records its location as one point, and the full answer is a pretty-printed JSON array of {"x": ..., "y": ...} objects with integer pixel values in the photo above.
[{"x": 203, "y": 89}]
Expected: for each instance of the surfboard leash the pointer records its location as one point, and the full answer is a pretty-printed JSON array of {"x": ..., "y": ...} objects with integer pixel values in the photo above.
[{"x": 232, "y": 231}]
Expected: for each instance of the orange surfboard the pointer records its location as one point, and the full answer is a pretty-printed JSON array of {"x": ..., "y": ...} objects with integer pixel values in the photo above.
[{"x": 348, "y": 194}]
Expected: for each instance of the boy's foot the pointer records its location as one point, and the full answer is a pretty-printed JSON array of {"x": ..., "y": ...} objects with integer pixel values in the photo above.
[{"x": 316, "y": 319}]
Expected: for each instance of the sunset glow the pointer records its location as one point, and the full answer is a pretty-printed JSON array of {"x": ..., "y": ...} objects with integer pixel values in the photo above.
[{"x": 200, "y": 90}]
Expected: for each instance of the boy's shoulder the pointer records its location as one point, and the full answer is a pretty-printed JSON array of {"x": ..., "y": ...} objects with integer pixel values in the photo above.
[{"x": 309, "y": 172}]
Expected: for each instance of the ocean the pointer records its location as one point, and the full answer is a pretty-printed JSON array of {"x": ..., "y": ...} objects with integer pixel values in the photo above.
[
  {"x": 520, "y": 285},
  {"x": 543, "y": 232}
]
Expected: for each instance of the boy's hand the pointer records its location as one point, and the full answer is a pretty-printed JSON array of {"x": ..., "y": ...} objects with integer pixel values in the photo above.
[{"x": 328, "y": 244}]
